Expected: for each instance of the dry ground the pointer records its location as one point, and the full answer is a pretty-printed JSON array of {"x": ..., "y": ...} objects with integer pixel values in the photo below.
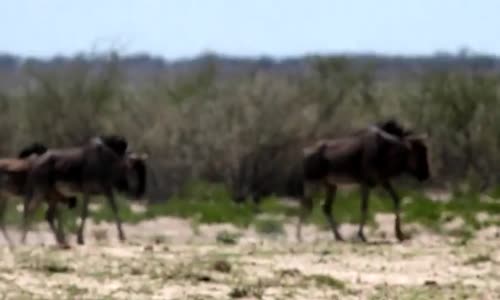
[{"x": 170, "y": 258}]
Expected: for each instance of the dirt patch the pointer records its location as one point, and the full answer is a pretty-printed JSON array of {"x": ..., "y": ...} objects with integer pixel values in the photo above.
[{"x": 166, "y": 259}]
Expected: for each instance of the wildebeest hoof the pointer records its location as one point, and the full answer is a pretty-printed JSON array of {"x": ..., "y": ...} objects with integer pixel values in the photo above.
[
  {"x": 339, "y": 238},
  {"x": 64, "y": 246},
  {"x": 402, "y": 237},
  {"x": 361, "y": 237},
  {"x": 80, "y": 241}
]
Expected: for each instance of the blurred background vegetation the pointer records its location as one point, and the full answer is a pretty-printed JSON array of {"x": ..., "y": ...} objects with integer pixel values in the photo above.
[{"x": 202, "y": 119}]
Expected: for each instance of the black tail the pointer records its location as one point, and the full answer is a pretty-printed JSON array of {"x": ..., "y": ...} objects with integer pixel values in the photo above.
[{"x": 314, "y": 164}]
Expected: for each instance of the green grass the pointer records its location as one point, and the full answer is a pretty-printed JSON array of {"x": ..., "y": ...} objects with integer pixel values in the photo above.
[
  {"x": 269, "y": 226},
  {"x": 211, "y": 203}
]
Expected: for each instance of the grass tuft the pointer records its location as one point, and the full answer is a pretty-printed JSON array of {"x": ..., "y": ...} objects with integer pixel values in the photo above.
[
  {"x": 227, "y": 238},
  {"x": 326, "y": 280}
]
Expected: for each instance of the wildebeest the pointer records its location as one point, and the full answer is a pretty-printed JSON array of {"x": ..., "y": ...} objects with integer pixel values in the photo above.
[
  {"x": 267, "y": 170},
  {"x": 98, "y": 167},
  {"x": 13, "y": 175},
  {"x": 368, "y": 157}
]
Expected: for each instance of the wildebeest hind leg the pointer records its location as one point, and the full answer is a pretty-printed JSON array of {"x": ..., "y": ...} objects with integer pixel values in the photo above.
[
  {"x": 397, "y": 210},
  {"x": 31, "y": 203},
  {"x": 365, "y": 194},
  {"x": 114, "y": 208},
  {"x": 3, "y": 211},
  {"x": 331, "y": 191}
]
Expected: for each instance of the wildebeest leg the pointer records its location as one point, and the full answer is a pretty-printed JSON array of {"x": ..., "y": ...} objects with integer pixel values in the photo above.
[
  {"x": 83, "y": 218},
  {"x": 31, "y": 203},
  {"x": 51, "y": 215},
  {"x": 3, "y": 211},
  {"x": 365, "y": 194},
  {"x": 331, "y": 191},
  {"x": 60, "y": 229},
  {"x": 256, "y": 198},
  {"x": 114, "y": 208},
  {"x": 306, "y": 204},
  {"x": 397, "y": 209}
]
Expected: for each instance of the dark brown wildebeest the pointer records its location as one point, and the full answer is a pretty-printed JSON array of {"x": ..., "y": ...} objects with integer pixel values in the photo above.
[
  {"x": 267, "y": 170},
  {"x": 13, "y": 175},
  {"x": 98, "y": 167},
  {"x": 369, "y": 157}
]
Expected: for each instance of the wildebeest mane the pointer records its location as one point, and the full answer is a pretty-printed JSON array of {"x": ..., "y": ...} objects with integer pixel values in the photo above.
[
  {"x": 393, "y": 127},
  {"x": 117, "y": 143},
  {"x": 34, "y": 148}
]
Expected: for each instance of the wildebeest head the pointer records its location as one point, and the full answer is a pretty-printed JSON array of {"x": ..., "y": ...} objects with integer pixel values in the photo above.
[
  {"x": 239, "y": 185},
  {"x": 418, "y": 163},
  {"x": 137, "y": 163},
  {"x": 35, "y": 148},
  {"x": 407, "y": 151},
  {"x": 133, "y": 164}
]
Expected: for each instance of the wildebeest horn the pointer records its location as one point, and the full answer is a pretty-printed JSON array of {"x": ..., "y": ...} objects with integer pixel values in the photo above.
[
  {"x": 421, "y": 136},
  {"x": 141, "y": 156}
]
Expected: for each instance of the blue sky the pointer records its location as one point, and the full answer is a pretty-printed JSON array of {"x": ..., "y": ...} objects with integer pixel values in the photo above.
[{"x": 277, "y": 28}]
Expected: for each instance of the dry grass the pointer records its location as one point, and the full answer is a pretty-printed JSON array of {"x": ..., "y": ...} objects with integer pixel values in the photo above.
[{"x": 429, "y": 266}]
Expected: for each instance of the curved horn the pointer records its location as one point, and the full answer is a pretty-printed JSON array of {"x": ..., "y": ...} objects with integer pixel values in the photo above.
[{"x": 421, "y": 136}]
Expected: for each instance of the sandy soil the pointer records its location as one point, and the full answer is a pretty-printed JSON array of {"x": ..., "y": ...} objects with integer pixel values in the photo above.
[{"x": 170, "y": 258}]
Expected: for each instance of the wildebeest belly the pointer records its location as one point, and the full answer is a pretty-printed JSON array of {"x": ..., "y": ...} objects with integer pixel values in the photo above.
[
  {"x": 72, "y": 189},
  {"x": 341, "y": 178}
]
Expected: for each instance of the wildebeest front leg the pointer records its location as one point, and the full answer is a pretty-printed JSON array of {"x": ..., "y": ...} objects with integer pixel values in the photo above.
[
  {"x": 114, "y": 208},
  {"x": 365, "y": 194},
  {"x": 331, "y": 191},
  {"x": 51, "y": 215},
  {"x": 256, "y": 198},
  {"x": 54, "y": 214},
  {"x": 397, "y": 210},
  {"x": 306, "y": 206},
  {"x": 83, "y": 217}
]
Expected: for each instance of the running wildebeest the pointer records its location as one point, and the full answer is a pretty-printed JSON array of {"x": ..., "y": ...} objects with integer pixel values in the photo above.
[
  {"x": 98, "y": 167},
  {"x": 13, "y": 175},
  {"x": 369, "y": 157}
]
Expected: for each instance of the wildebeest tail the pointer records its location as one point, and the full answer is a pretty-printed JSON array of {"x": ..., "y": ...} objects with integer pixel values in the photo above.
[{"x": 314, "y": 163}]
